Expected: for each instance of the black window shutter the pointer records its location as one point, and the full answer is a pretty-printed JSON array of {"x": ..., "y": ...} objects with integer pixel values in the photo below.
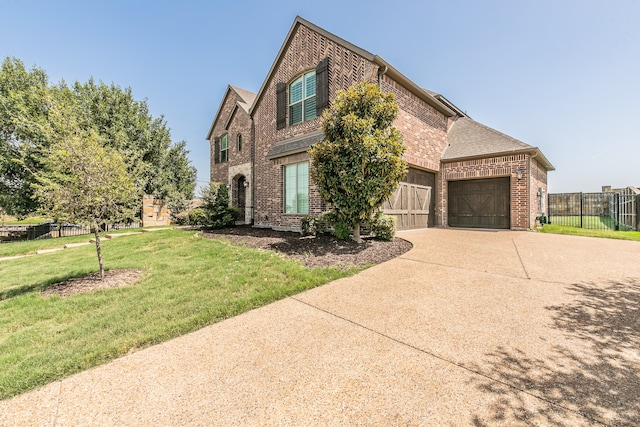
[
  {"x": 281, "y": 105},
  {"x": 216, "y": 150},
  {"x": 322, "y": 86}
]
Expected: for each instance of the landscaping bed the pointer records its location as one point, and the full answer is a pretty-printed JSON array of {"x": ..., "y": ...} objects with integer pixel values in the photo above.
[{"x": 325, "y": 250}]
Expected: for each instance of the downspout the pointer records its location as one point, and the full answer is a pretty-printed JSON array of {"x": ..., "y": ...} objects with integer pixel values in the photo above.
[
  {"x": 253, "y": 169},
  {"x": 381, "y": 73}
]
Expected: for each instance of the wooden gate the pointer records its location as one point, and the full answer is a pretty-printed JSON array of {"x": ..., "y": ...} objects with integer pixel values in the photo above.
[{"x": 410, "y": 204}]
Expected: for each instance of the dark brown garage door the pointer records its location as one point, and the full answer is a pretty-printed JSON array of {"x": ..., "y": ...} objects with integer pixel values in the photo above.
[{"x": 479, "y": 203}]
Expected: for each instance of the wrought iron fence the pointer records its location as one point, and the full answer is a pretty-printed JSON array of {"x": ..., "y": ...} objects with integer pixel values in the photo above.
[
  {"x": 601, "y": 211},
  {"x": 51, "y": 230}
]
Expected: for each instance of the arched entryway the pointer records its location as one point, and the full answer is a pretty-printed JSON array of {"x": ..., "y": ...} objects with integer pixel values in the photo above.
[{"x": 239, "y": 195}]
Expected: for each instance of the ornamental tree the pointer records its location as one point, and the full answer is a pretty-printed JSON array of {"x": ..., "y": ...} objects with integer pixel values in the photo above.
[
  {"x": 359, "y": 162},
  {"x": 84, "y": 181}
]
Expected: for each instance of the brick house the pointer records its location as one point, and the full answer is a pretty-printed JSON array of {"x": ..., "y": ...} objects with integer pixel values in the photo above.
[{"x": 461, "y": 173}]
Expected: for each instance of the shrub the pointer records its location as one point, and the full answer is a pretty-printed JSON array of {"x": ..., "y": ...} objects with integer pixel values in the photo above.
[
  {"x": 383, "y": 226},
  {"x": 218, "y": 213},
  {"x": 197, "y": 216},
  {"x": 309, "y": 226}
]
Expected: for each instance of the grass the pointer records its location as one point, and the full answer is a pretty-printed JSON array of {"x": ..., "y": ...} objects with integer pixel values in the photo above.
[
  {"x": 188, "y": 283},
  {"x": 28, "y": 247},
  {"x": 577, "y": 231},
  {"x": 10, "y": 220},
  {"x": 588, "y": 221}
]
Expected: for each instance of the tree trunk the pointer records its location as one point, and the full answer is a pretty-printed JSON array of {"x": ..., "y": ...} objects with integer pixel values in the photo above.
[
  {"x": 356, "y": 233},
  {"x": 98, "y": 250}
]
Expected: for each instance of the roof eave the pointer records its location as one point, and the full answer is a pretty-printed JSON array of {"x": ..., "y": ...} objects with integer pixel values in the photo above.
[
  {"x": 414, "y": 88},
  {"x": 534, "y": 151},
  {"x": 213, "y": 123}
]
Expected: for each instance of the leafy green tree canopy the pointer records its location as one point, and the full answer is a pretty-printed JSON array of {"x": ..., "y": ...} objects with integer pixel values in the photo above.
[
  {"x": 83, "y": 181},
  {"x": 157, "y": 165},
  {"x": 359, "y": 163}
]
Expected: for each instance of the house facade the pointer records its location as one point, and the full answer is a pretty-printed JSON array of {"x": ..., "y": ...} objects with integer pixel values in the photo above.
[{"x": 461, "y": 173}]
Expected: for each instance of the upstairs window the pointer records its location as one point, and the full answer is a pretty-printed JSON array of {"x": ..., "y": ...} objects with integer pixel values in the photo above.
[
  {"x": 239, "y": 142},
  {"x": 302, "y": 98},
  {"x": 224, "y": 148}
]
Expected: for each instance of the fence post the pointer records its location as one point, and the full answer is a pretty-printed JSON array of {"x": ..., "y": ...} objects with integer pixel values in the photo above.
[{"x": 581, "y": 206}]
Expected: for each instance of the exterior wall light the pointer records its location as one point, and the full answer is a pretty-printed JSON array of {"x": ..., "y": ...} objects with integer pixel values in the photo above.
[
  {"x": 245, "y": 184},
  {"x": 519, "y": 174}
]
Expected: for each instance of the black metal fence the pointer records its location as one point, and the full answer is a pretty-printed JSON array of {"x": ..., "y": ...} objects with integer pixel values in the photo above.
[
  {"x": 601, "y": 211},
  {"x": 50, "y": 230}
]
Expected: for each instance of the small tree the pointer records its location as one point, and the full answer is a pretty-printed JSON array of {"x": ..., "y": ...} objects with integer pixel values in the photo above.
[
  {"x": 217, "y": 212},
  {"x": 359, "y": 163},
  {"x": 85, "y": 182}
]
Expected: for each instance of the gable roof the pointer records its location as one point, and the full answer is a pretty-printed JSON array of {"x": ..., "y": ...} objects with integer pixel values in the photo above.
[
  {"x": 388, "y": 69},
  {"x": 245, "y": 102},
  {"x": 470, "y": 139}
]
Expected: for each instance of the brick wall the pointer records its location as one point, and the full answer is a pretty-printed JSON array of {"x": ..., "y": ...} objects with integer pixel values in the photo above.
[
  {"x": 303, "y": 53},
  {"x": 240, "y": 124},
  {"x": 423, "y": 128},
  {"x": 538, "y": 181},
  {"x": 504, "y": 166}
]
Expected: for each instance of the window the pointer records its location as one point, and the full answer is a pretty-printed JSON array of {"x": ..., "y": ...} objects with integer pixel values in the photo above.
[
  {"x": 296, "y": 188},
  {"x": 302, "y": 98},
  {"x": 224, "y": 148},
  {"x": 239, "y": 142}
]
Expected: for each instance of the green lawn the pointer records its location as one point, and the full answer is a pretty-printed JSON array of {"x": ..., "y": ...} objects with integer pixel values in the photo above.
[
  {"x": 26, "y": 247},
  {"x": 588, "y": 221},
  {"x": 577, "y": 231},
  {"x": 188, "y": 283}
]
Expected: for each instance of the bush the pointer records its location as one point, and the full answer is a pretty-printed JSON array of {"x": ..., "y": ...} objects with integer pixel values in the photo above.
[
  {"x": 197, "y": 216},
  {"x": 383, "y": 226},
  {"x": 309, "y": 226},
  {"x": 341, "y": 226},
  {"x": 218, "y": 213}
]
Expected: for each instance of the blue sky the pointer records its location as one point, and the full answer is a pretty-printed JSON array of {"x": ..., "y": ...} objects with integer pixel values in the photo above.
[{"x": 561, "y": 75}]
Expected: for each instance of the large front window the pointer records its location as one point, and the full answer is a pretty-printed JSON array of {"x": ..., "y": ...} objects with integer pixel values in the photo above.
[
  {"x": 302, "y": 98},
  {"x": 296, "y": 188}
]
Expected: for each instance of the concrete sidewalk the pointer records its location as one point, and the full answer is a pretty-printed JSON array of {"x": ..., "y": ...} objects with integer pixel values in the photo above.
[{"x": 468, "y": 328}]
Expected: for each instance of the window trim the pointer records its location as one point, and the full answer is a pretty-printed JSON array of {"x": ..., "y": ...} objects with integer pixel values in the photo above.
[
  {"x": 297, "y": 211},
  {"x": 302, "y": 78},
  {"x": 224, "y": 148}
]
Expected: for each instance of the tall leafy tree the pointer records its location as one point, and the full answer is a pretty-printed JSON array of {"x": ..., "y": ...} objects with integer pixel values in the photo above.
[
  {"x": 84, "y": 181},
  {"x": 359, "y": 163},
  {"x": 24, "y": 131},
  {"x": 157, "y": 165}
]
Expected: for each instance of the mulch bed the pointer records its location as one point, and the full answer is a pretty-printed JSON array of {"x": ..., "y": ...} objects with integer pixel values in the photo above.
[
  {"x": 92, "y": 282},
  {"x": 314, "y": 252}
]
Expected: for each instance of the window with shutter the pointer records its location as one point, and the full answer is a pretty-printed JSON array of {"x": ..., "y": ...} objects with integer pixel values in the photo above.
[
  {"x": 322, "y": 86},
  {"x": 302, "y": 98},
  {"x": 216, "y": 150},
  {"x": 281, "y": 105}
]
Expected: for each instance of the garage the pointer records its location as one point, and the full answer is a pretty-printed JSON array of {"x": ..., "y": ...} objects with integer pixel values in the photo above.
[
  {"x": 479, "y": 203},
  {"x": 413, "y": 202}
]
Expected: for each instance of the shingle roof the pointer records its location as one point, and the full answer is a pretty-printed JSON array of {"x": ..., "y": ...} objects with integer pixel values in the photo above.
[
  {"x": 246, "y": 102},
  {"x": 246, "y": 96},
  {"x": 295, "y": 145},
  {"x": 468, "y": 138}
]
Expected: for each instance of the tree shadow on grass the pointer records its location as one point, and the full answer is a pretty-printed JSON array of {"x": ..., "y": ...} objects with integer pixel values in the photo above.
[
  {"x": 19, "y": 290},
  {"x": 596, "y": 379}
]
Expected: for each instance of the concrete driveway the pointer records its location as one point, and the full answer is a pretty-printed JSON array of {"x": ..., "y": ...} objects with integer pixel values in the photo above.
[{"x": 469, "y": 328}]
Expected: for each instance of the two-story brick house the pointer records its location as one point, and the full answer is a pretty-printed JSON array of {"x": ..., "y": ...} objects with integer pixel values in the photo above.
[{"x": 461, "y": 173}]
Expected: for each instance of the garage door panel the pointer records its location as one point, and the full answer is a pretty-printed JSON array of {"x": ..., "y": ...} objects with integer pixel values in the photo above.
[{"x": 482, "y": 203}]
